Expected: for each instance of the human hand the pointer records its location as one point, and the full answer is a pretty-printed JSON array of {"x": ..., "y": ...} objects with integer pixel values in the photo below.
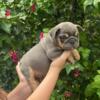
[
  {"x": 73, "y": 57},
  {"x": 22, "y": 80},
  {"x": 21, "y": 77},
  {"x": 59, "y": 62},
  {"x": 67, "y": 56}
]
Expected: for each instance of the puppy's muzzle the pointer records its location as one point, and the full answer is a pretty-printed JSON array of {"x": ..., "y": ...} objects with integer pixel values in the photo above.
[{"x": 72, "y": 40}]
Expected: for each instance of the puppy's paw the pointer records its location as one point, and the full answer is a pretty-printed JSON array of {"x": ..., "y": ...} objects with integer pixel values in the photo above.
[
  {"x": 71, "y": 59},
  {"x": 75, "y": 54}
]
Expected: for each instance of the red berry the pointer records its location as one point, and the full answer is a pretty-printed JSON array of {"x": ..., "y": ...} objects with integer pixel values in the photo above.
[
  {"x": 33, "y": 7},
  {"x": 7, "y": 12},
  {"x": 14, "y": 56},
  {"x": 68, "y": 94},
  {"x": 76, "y": 73}
]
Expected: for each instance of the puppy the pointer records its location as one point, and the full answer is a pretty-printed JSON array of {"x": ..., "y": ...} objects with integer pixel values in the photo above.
[{"x": 36, "y": 62}]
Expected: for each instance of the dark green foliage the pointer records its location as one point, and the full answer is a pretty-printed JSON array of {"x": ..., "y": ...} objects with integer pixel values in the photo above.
[{"x": 20, "y": 29}]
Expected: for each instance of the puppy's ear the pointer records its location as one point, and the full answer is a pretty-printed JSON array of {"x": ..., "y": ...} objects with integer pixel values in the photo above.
[
  {"x": 57, "y": 32},
  {"x": 80, "y": 28},
  {"x": 54, "y": 32}
]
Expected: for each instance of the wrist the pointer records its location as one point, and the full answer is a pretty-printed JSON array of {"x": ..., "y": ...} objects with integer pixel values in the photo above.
[
  {"x": 55, "y": 69},
  {"x": 21, "y": 92},
  {"x": 26, "y": 88}
]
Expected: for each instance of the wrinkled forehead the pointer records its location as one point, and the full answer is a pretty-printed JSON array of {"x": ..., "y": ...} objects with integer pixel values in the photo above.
[{"x": 68, "y": 28}]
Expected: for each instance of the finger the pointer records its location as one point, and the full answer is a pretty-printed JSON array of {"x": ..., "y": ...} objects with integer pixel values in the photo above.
[
  {"x": 76, "y": 55},
  {"x": 65, "y": 55},
  {"x": 18, "y": 70},
  {"x": 71, "y": 60},
  {"x": 20, "y": 75}
]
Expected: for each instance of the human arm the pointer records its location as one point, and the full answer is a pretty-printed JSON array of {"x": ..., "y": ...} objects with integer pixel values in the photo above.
[
  {"x": 46, "y": 87},
  {"x": 22, "y": 90}
]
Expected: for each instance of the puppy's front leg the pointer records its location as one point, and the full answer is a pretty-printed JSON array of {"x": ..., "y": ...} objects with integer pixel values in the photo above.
[{"x": 74, "y": 56}]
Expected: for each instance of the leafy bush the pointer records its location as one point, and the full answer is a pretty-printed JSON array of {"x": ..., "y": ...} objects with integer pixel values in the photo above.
[{"x": 22, "y": 21}]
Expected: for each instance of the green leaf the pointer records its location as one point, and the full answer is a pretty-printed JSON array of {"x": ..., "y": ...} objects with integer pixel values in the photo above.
[
  {"x": 2, "y": 12},
  {"x": 71, "y": 67},
  {"x": 6, "y": 27},
  {"x": 10, "y": 1},
  {"x": 59, "y": 83},
  {"x": 45, "y": 30},
  {"x": 85, "y": 52},
  {"x": 6, "y": 57},
  {"x": 97, "y": 78},
  {"x": 52, "y": 98},
  {"x": 92, "y": 87},
  {"x": 87, "y": 3},
  {"x": 96, "y": 63},
  {"x": 98, "y": 71},
  {"x": 83, "y": 39},
  {"x": 96, "y": 3},
  {"x": 98, "y": 92},
  {"x": 54, "y": 93}
]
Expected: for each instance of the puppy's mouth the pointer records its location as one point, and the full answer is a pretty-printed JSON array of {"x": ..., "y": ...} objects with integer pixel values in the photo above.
[
  {"x": 70, "y": 47},
  {"x": 70, "y": 44}
]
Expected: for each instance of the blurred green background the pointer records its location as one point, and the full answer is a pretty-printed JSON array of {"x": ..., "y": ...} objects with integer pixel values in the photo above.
[{"x": 22, "y": 21}]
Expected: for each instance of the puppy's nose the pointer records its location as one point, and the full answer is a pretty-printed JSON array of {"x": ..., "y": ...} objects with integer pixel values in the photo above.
[{"x": 72, "y": 41}]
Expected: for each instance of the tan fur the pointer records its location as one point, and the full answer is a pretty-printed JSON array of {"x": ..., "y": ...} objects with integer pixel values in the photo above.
[
  {"x": 75, "y": 54},
  {"x": 34, "y": 79},
  {"x": 60, "y": 44}
]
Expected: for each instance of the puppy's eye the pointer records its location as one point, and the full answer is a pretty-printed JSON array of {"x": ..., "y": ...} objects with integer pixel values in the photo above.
[{"x": 63, "y": 37}]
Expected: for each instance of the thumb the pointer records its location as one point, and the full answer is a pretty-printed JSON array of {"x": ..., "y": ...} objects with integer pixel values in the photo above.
[
  {"x": 65, "y": 55},
  {"x": 19, "y": 73}
]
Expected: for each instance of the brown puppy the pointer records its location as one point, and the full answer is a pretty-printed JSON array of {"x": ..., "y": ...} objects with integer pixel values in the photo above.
[{"x": 35, "y": 63}]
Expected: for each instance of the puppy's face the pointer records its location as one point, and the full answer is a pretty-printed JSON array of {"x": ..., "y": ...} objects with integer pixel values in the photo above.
[
  {"x": 67, "y": 40},
  {"x": 67, "y": 35}
]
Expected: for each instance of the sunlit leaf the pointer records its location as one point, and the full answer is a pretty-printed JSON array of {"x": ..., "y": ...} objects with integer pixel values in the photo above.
[
  {"x": 87, "y": 3},
  {"x": 71, "y": 67},
  {"x": 98, "y": 71},
  {"x": 96, "y": 3},
  {"x": 92, "y": 87},
  {"x": 10, "y": 1},
  {"x": 98, "y": 92},
  {"x": 97, "y": 78}
]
